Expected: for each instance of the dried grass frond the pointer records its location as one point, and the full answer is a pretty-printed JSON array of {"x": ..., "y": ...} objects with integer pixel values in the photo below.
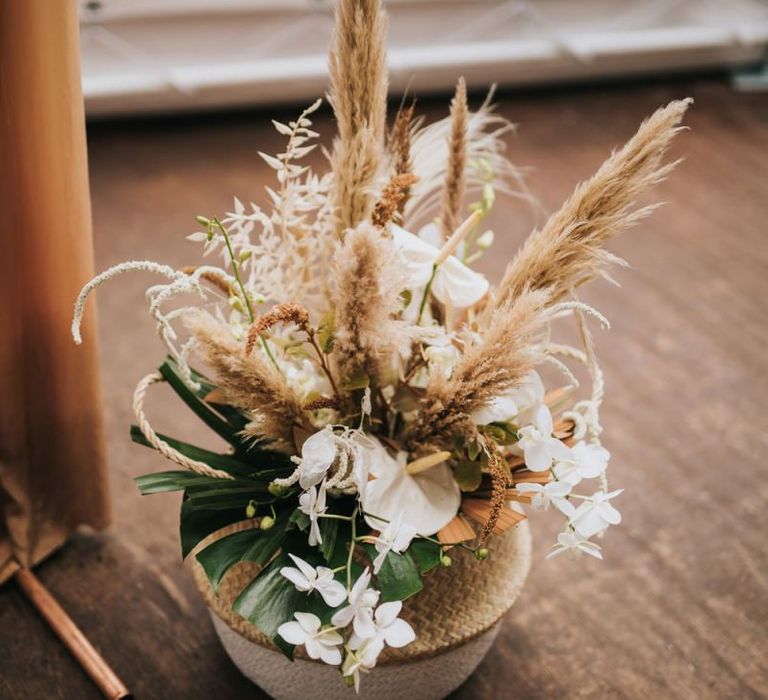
[
  {"x": 568, "y": 250},
  {"x": 365, "y": 299},
  {"x": 506, "y": 352},
  {"x": 400, "y": 147},
  {"x": 247, "y": 381},
  {"x": 456, "y": 176},
  {"x": 282, "y": 313},
  {"x": 485, "y": 145},
  {"x": 392, "y": 196},
  {"x": 358, "y": 94}
]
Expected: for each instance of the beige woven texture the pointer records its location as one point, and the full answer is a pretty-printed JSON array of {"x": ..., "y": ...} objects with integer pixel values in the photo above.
[{"x": 456, "y": 605}]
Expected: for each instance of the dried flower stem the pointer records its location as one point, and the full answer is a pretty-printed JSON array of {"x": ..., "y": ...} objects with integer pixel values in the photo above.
[
  {"x": 392, "y": 196},
  {"x": 400, "y": 146},
  {"x": 499, "y": 484}
]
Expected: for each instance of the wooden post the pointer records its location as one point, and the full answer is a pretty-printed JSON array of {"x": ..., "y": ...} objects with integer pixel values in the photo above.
[{"x": 52, "y": 458}]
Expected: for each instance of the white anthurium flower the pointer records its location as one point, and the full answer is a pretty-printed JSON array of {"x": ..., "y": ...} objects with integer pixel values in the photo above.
[
  {"x": 554, "y": 493},
  {"x": 595, "y": 514},
  {"x": 308, "y": 578},
  {"x": 312, "y": 502},
  {"x": 587, "y": 461},
  {"x": 395, "y": 537},
  {"x": 367, "y": 452},
  {"x": 574, "y": 544},
  {"x": 317, "y": 455},
  {"x": 361, "y": 659},
  {"x": 390, "y": 629},
  {"x": 454, "y": 283},
  {"x": 320, "y": 643},
  {"x": 515, "y": 404},
  {"x": 428, "y": 500},
  {"x": 539, "y": 448},
  {"x": 359, "y": 612}
]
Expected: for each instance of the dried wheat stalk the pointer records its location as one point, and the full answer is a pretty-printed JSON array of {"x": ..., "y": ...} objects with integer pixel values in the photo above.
[{"x": 400, "y": 148}]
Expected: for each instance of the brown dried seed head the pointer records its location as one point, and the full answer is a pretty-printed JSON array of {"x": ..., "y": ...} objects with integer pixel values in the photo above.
[{"x": 282, "y": 313}]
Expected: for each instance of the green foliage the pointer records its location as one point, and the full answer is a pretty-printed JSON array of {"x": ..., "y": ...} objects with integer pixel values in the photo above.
[
  {"x": 254, "y": 545},
  {"x": 468, "y": 474},
  {"x": 195, "y": 525},
  {"x": 426, "y": 553},
  {"x": 398, "y": 578}
]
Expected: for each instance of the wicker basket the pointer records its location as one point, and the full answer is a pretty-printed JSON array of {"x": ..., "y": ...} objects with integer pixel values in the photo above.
[{"x": 456, "y": 618}]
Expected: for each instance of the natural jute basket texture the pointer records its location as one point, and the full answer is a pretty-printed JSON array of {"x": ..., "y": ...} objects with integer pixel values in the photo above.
[{"x": 456, "y": 605}]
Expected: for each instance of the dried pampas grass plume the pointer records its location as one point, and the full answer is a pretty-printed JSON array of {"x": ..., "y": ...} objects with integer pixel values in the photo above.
[
  {"x": 366, "y": 297},
  {"x": 358, "y": 94},
  {"x": 247, "y": 381},
  {"x": 568, "y": 250},
  {"x": 507, "y": 351},
  {"x": 455, "y": 179}
]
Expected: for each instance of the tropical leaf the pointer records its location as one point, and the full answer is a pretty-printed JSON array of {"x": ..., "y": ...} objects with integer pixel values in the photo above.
[
  {"x": 398, "y": 577},
  {"x": 161, "y": 482},
  {"x": 426, "y": 553},
  {"x": 195, "y": 525},
  {"x": 253, "y": 545},
  {"x": 329, "y": 530}
]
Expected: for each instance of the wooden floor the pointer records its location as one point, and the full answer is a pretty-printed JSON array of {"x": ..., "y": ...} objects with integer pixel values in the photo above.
[{"x": 679, "y": 609}]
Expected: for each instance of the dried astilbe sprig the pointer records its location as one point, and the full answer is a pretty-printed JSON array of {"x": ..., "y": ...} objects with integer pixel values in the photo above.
[
  {"x": 365, "y": 299},
  {"x": 358, "y": 94},
  {"x": 568, "y": 250},
  {"x": 506, "y": 352},
  {"x": 392, "y": 196},
  {"x": 283, "y": 314},
  {"x": 248, "y": 382},
  {"x": 400, "y": 148},
  {"x": 499, "y": 482},
  {"x": 456, "y": 175}
]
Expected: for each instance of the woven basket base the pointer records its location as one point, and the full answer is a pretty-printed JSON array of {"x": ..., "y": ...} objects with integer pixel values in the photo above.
[{"x": 426, "y": 679}]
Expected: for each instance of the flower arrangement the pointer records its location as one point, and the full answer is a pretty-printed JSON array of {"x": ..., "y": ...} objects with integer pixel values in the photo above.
[{"x": 380, "y": 398}]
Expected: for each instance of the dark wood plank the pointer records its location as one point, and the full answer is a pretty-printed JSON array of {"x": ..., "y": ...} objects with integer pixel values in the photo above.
[{"x": 680, "y": 606}]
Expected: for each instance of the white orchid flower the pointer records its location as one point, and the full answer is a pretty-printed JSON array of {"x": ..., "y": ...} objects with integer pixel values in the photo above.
[
  {"x": 587, "y": 461},
  {"x": 519, "y": 404},
  {"x": 389, "y": 628},
  {"x": 302, "y": 377},
  {"x": 595, "y": 514},
  {"x": 395, "y": 537},
  {"x": 308, "y": 578},
  {"x": 454, "y": 283},
  {"x": 361, "y": 659},
  {"x": 554, "y": 493},
  {"x": 574, "y": 544},
  {"x": 442, "y": 357},
  {"x": 359, "y": 612},
  {"x": 312, "y": 503},
  {"x": 320, "y": 643},
  {"x": 539, "y": 448},
  {"x": 317, "y": 455},
  {"x": 428, "y": 500}
]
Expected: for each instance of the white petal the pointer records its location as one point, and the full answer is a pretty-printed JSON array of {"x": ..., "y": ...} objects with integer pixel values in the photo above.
[
  {"x": 387, "y": 613},
  {"x": 292, "y": 632},
  {"x": 428, "y": 500},
  {"x": 343, "y": 617},
  {"x": 296, "y": 578},
  {"x": 544, "y": 420},
  {"x": 560, "y": 451},
  {"x": 529, "y": 488},
  {"x": 416, "y": 256},
  {"x": 378, "y": 562},
  {"x": 333, "y": 593},
  {"x": 502, "y": 408},
  {"x": 398, "y": 634},
  {"x": 610, "y": 513},
  {"x": 458, "y": 285},
  {"x": 309, "y": 622},
  {"x": 538, "y": 457},
  {"x": 588, "y": 522},
  {"x": 304, "y": 567},
  {"x": 363, "y": 623},
  {"x": 330, "y": 655}
]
